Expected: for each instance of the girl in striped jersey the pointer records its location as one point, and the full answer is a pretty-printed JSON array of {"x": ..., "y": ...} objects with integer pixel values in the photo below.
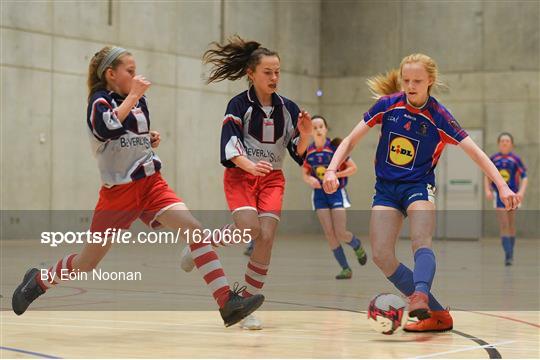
[
  {"x": 330, "y": 208},
  {"x": 514, "y": 172},
  {"x": 415, "y": 127},
  {"x": 118, "y": 125},
  {"x": 258, "y": 128}
]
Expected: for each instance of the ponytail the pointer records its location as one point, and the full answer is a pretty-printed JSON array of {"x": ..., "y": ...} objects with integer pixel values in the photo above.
[
  {"x": 385, "y": 84},
  {"x": 231, "y": 60},
  {"x": 390, "y": 83}
]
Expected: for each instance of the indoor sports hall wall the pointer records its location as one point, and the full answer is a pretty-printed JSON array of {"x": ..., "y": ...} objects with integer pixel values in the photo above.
[
  {"x": 46, "y": 47},
  {"x": 488, "y": 53}
]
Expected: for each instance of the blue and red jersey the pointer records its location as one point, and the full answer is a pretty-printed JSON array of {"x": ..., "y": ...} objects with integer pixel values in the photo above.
[
  {"x": 511, "y": 169},
  {"x": 412, "y": 139},
  {"x": 318, "y": 159},
  {"x": 249, "y": 131},
  {"x": 123, "y": 149}
]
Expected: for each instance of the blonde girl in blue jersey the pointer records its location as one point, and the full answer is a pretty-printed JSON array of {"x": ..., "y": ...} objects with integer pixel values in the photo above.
[{"x": 415, "y": 127}]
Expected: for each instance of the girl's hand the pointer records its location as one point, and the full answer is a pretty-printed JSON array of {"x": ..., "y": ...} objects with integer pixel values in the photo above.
[
  {"x": 139, "y": 85},
  {"x": 520, "y": 196},
  {"x": 330, "y": 182},
  {"x": 155, "y": 138},
  {"x": 509, "y": 198},
  {"x": 260, "y": 169},
  {"x": 489, "y": 195},
  {"x": 313, "y": 182},
  {"x": 304, "y": 123}
]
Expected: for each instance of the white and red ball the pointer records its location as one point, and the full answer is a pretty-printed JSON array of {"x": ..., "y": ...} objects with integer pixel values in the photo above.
[{"x": 387, "y": 313}]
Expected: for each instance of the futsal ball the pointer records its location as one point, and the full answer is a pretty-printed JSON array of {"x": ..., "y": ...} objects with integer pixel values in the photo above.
[{"x": 386, "y": 313}]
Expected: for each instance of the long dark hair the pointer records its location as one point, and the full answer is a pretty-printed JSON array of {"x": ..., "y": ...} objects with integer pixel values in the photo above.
[
  {"x": 231, "y": 60},
  {"x": 335, "y": 141}
]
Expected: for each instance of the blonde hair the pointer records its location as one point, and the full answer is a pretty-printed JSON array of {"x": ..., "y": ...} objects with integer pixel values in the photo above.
[
  {"x": 94, "y": 81},
  {"x": 390, "y": 83}
]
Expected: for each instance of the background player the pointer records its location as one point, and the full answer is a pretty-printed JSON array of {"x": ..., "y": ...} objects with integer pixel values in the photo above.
[
  {"x": 119, "y": 130},
  {"x": 330, "y": 208},
  {"x": 415, "y": 127},
  {"x": 513, "y": 171}
]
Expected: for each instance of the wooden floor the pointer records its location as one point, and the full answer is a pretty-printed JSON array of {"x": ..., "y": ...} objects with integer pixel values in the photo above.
[{"x": 307, "y": 314}]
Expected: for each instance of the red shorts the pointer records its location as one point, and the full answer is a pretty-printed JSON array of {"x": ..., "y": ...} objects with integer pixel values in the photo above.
[
  {"x": 261, "y": 193},
  {"x": 119, "y": 206}
]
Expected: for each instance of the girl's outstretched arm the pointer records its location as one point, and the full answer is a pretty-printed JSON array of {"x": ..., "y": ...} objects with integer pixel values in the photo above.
[{"x": 331, "y": 182}]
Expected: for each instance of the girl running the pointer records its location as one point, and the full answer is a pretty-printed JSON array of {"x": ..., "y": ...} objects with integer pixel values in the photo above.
[
  {"x": 514, "y": 173},
  {"x": 258, "y": 127},
  {"x": 415, "y": 127},
  {"x": 330, "y": 208},
  {"x": 119, "y": 129}
]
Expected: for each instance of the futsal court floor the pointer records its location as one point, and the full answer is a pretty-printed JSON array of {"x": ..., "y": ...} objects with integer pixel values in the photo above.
[{"x": 307, "y": 314}]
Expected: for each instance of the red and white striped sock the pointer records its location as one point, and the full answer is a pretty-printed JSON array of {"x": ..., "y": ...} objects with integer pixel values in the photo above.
[
  {"x": 207, "y": 261},
  {"x": 62, "y": 269},
  {"x": 255, "y": 278}
]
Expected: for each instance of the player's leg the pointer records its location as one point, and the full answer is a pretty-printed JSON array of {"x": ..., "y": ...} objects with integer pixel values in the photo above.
[
  {"x": 233, "y": 307},
  {"x": 241, "y": 194},
  {"x": 242, "y": 202},
  {"x": 339, "y": 221},
  {"x": 259, "y": 262},
  {"x": 258, "y": 265},
  {"x": 422, "y": 223},
  {"x": 384, "y": 227},
  {"x": 325, "y": 218},
  {"x": 512, "y": 232},
  {"x": 37, "y": 282},
  {"x": 269, "y": 199},
  {"x": 504, "y": 230}
]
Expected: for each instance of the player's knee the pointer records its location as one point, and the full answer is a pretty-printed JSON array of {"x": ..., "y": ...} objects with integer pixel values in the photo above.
[
  {"x": 266, "y": 239},
  {"x": 192, "y": 224},
  {"x": 382, "y": 258},
  {"x": 253, "y": 231}
]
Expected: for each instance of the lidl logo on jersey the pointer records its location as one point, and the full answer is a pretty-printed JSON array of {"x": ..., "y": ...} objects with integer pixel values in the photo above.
[
  {"x": 402, "y": 151},
  {"x": 320, "y": 171},
  {"x": 505, "y": 175}
]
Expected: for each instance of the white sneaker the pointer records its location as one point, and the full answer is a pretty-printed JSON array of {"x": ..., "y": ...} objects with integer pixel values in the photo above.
[
  {"x": 186, "y": 260},
  {"x": 251, "y": 323}
]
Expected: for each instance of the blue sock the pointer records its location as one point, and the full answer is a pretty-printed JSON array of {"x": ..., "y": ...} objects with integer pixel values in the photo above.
[
  {"x": 512, "y": 243},
  {"x": 402, "y": 279},
  {"x": 424, "y": 270},
  {"x": 340, "y": 257},
  {"x": 507, "y": 246},
  {"x": 354, "y": 243}
]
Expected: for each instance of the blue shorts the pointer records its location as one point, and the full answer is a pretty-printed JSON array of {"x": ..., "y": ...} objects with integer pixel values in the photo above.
[
  {"x": 400, "y": 195},
  {"x": 337, "y": 200},
  {"x": 497, "y": 202}
]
